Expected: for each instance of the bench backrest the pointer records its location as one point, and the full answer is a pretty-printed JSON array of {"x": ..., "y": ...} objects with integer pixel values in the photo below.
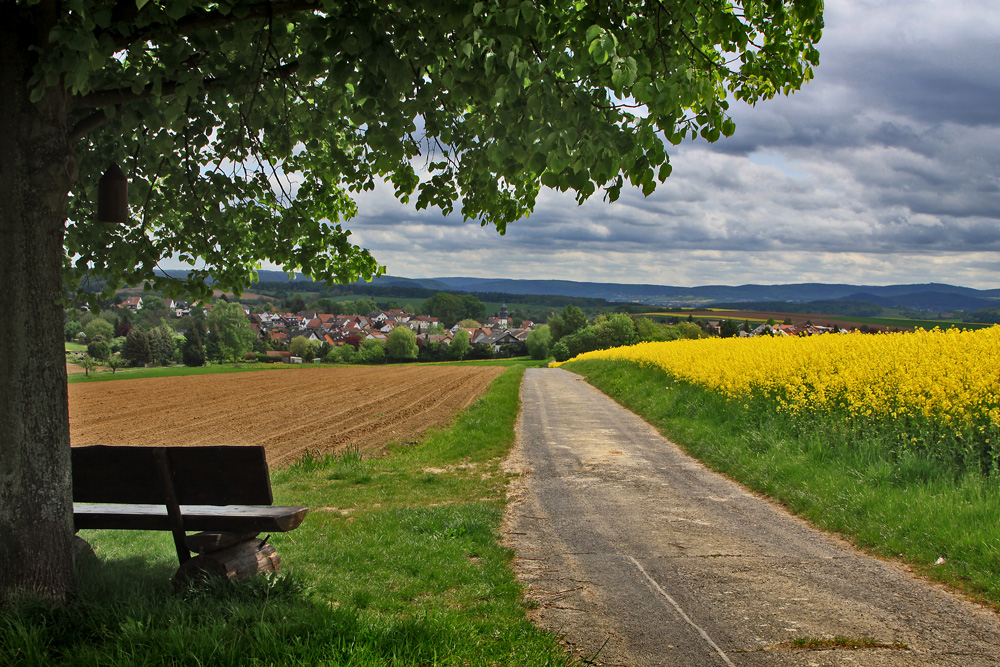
[{"x": 211, "y": 475}]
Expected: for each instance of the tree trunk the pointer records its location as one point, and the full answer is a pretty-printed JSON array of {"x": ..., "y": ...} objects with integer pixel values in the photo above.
[{"x": 36, "y": 169}]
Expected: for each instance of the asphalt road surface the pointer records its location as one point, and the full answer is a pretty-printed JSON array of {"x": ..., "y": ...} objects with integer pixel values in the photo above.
[{"x": 638, "y": 555}]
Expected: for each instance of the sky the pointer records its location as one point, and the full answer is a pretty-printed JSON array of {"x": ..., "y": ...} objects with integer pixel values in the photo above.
[{"x": 884, "y": 169}]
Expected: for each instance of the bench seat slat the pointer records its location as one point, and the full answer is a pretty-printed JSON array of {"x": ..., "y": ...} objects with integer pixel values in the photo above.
[{"x": 229, "y": 518}]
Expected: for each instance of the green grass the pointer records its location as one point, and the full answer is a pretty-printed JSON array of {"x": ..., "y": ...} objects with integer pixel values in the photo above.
[
  {"x": 75, "y": 347},
  {"x": 175, "y": 371},
  {"x": 899, "y": 505},
  {"x": 524, "y": 362},
  {"x": 397, "y": 563}
]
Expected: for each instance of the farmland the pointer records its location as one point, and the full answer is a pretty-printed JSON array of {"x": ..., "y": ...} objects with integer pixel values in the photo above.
[
  {"x": 929, "y": 391},
  {"x": 843, "y": 321},
  {"x": 321, "y": 410}
]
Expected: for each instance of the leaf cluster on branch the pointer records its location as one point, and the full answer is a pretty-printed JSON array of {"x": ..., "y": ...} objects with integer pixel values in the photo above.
[{"x": 246, "y": 126}]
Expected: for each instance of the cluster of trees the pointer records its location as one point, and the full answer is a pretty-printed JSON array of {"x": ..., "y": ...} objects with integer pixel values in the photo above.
[
  {"x": 452, "y": 308},
  {"x": 448, "y": 307},
  {"x": 985, "y": 316},
  {"x": 570, "y": 333},
  {"x": 127, "y": 338},
  {"x": 400, "y": 346}
]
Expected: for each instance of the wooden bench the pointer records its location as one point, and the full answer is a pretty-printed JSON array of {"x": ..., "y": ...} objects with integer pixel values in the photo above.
[{"x": 223, "y": 491}]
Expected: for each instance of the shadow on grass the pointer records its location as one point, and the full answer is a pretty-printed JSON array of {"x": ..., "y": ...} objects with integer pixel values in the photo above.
[{"x": 125, "y": 611}]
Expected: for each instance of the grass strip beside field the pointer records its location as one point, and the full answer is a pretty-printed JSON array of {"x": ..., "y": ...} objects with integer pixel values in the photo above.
[
  {"x": 939, "y": 517},
  {"x": 397, "y": 563},
  {"x": 105, "y": 375}
]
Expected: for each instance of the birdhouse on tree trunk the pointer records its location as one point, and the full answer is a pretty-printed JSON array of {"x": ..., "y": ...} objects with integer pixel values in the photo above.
[{"x": 112, "y": 196}]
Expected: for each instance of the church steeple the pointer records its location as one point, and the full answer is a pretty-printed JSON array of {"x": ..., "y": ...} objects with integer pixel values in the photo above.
[{"x": 502, "y": 318}]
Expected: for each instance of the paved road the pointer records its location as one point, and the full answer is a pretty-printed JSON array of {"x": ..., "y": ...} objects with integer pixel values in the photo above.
[{"x": 639, "y": 554}]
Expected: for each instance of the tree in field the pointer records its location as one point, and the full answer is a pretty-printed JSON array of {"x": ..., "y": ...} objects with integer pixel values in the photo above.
[
  {"x": 99, "y": 328},
  {"x": 729, "y": 329},
  {"x": 229, "y": 324},
  {"x": 161, "y": 344},
  {"x": 539, "y": 341},
  {"x": 88, "y": 363},
  {"x": 401, "y": 344},
  {"x": 472, "y": 307},
  {"x": 569, "y": 321},
  {"x": 115, "y": 362},
  {"x": 347, "y": 354},
  {"x": 299, "y": 346},
  {"x": 122, "y": 328},
  {"x": 243, "y": 127},
  {"x": 193, "y": 352},
  {"x": 362, "y": 307},
  {"x": 450, "y": 308},
  {"x": 137, "y": 350},
  {"x": 460, "y": 345},
  {"x": 326, "y": 305},
  {"x": 371, "y": 352},
  {"x": 99, "y": 349},
  {"x": 71, "y": 329},
  {"x": 690, "y": 330},
  {"x": 560, "y": 352},
  {"x": 446, "y": 307},
  {"x": 295, "y": 304}
]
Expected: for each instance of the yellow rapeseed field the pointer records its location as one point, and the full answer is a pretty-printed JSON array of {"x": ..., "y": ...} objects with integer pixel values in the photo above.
[{"x": 948, "y": 378}]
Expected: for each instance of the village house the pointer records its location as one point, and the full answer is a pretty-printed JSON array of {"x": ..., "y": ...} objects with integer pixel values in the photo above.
[{"x": 132, "y": 303}]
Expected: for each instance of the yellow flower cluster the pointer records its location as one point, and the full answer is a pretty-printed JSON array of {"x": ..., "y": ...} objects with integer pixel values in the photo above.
[{"x": 950, "y": 377}]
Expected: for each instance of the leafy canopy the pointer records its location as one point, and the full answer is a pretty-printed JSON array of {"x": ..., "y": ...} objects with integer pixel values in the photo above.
[{"x": 245, "y": 126}]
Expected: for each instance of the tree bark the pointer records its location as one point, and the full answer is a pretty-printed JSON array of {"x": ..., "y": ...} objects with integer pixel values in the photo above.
[{"x": 36, "y": 170}]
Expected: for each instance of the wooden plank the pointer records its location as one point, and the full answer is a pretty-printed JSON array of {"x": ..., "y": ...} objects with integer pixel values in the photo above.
[
  {"x": 221, "y": 475},
  {"x": 237, "y": 519},
  {"x": 213, "y": 475},
  {"x": 103, "y": 474}
]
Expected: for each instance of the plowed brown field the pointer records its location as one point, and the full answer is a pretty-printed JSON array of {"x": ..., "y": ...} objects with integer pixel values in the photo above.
[{"x": 286, "y": 411}]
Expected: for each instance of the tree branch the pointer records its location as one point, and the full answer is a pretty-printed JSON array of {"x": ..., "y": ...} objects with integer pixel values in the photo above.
[
  {"x": 214, "y": 19},
  {"x": 119, "y": 96},
  {"x": 94, "y": 121}
]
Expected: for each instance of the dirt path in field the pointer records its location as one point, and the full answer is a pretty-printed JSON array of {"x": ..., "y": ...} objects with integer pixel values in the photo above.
[
  {"x": 639, "y": 555},
  {"x": 286, "y": 411}
]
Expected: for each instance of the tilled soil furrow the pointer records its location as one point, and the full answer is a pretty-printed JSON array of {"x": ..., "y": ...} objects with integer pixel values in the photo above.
[{"x": 289, "y": 411}]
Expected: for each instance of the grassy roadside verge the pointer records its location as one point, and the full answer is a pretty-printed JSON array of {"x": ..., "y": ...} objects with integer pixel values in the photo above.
[
  {"x": 398, "y": 563},
  {"x": 938, "y": 517}
]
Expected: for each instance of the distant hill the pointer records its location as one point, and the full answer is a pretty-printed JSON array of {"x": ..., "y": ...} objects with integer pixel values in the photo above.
[
  {"x": 826, "y": 307},
  {"x": 931, "y": 297},
  {"x": 937, "y": 302}
]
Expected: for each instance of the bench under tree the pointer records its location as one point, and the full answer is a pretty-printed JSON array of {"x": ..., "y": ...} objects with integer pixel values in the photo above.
[{"x": 222, "y": 493}]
